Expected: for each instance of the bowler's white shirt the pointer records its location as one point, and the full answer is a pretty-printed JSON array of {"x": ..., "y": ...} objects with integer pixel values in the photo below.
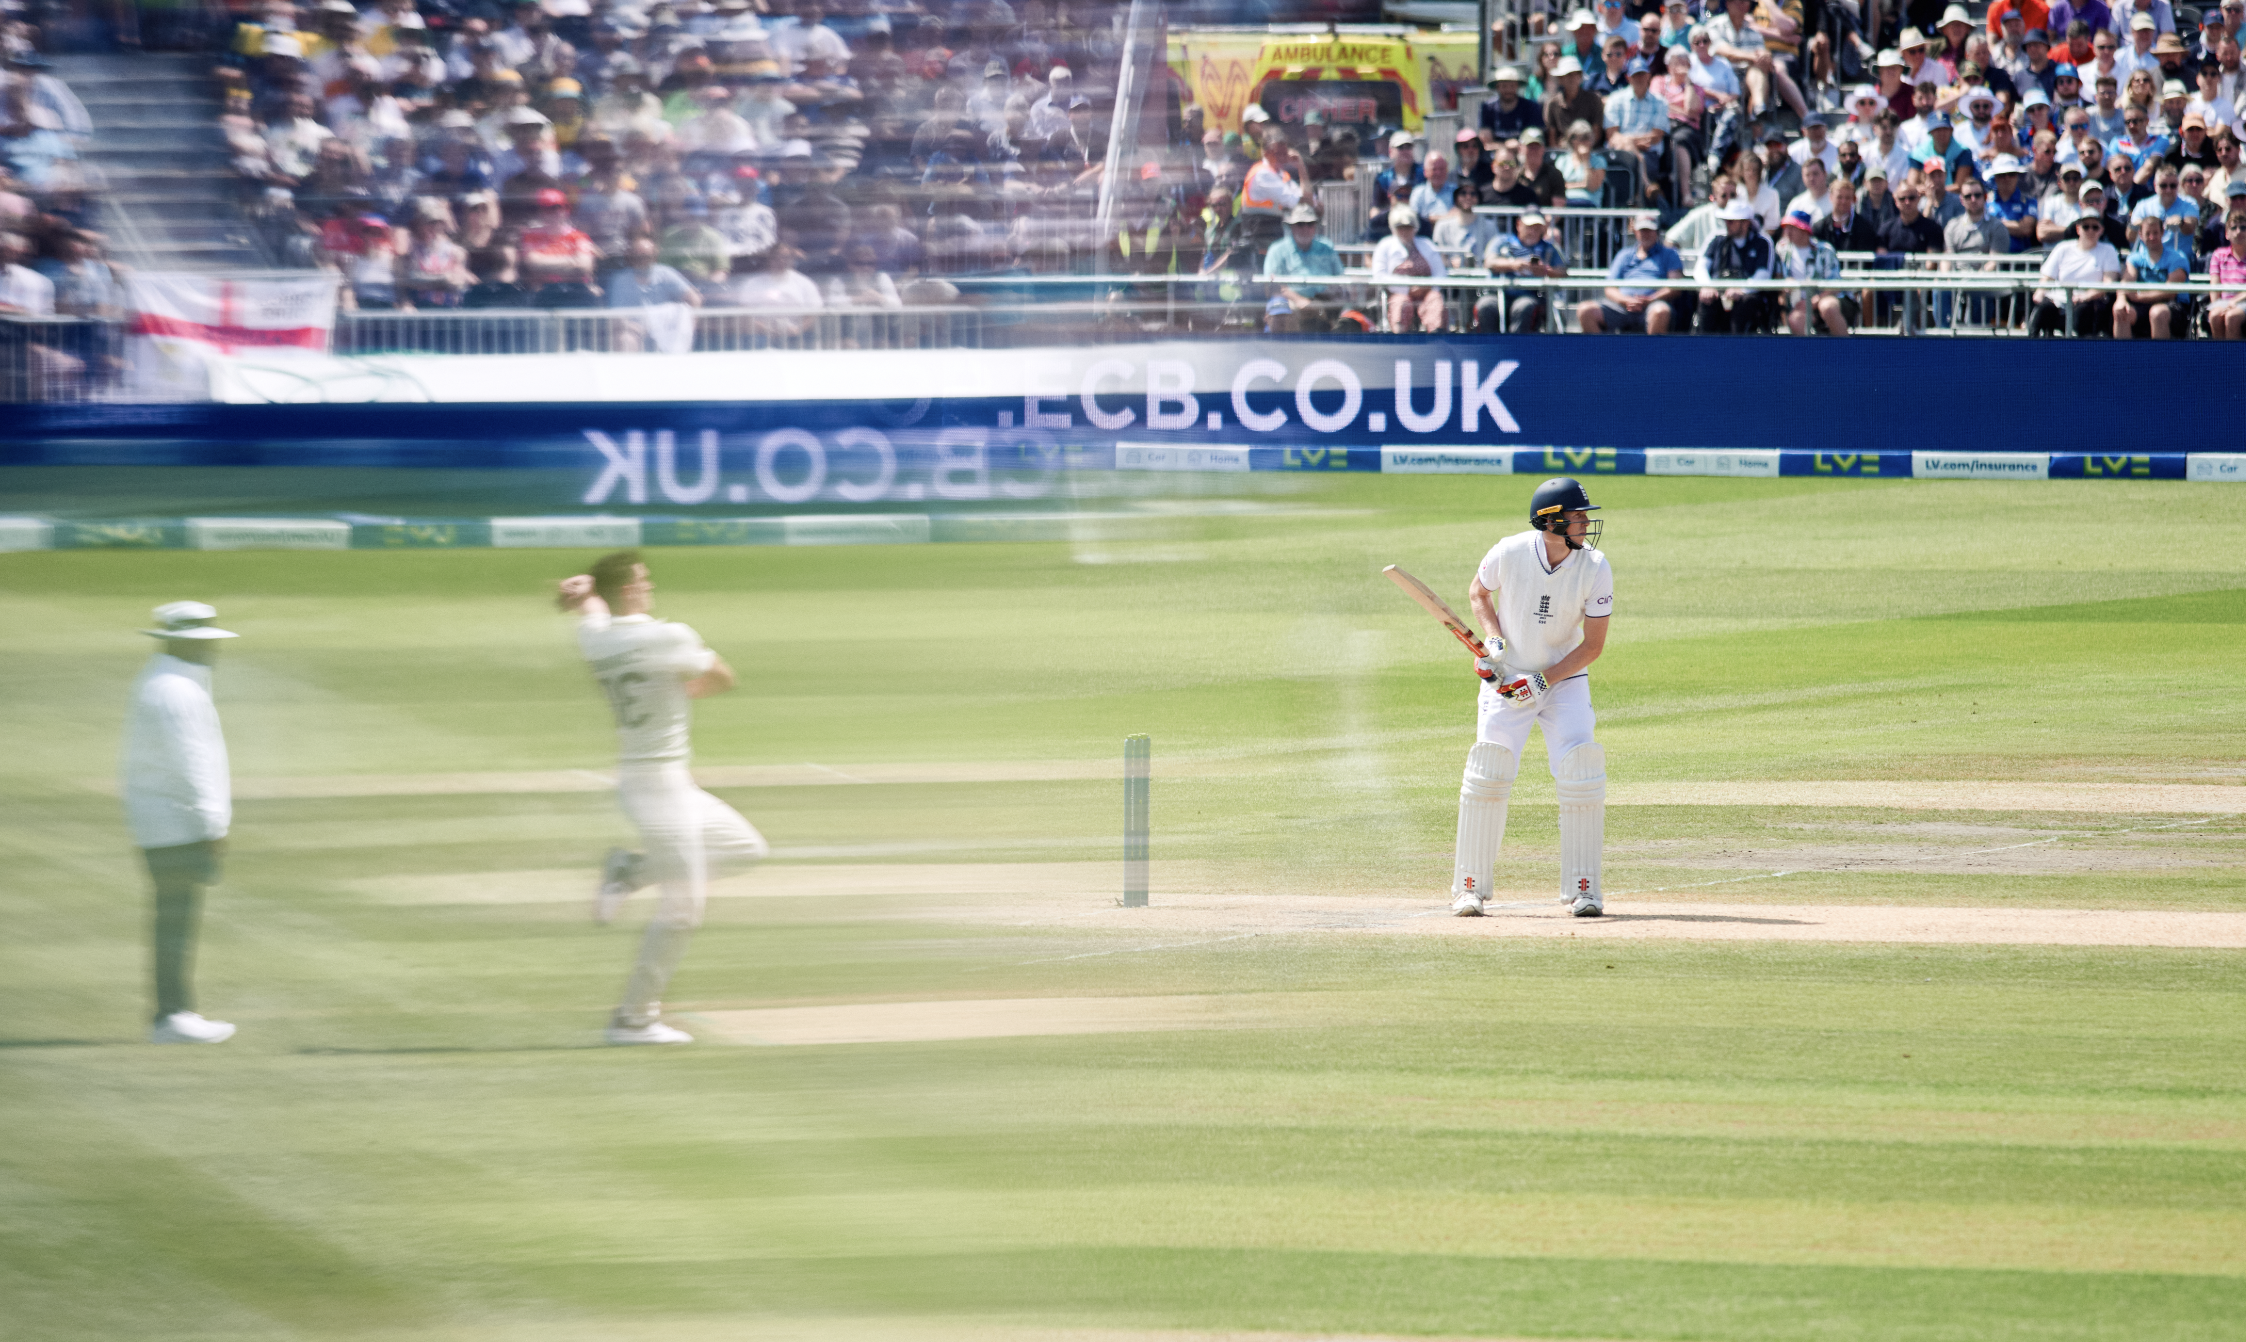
[
  {"x": 643, "y": 665},
  {"x": 1541, "y": 610},
  {"x": 173, "y": 774}
]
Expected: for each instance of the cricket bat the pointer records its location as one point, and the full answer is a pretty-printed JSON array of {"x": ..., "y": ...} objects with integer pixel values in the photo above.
[{"x": 1434, "y": 605}]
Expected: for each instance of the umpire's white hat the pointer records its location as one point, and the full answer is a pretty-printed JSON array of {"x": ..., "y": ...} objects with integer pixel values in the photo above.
[{"x": 187, "y": 619}]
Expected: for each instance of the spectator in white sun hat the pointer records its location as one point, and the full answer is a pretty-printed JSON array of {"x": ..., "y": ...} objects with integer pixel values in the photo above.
[
  {"x": 178, "y": 803},
  {"x": 1740, "y": 252}
]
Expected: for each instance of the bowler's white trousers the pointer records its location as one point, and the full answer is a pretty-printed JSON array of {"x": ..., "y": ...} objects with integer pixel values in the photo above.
[
  {"x": 1564, "y": 712},
  {"x": 687, "y": 833}
]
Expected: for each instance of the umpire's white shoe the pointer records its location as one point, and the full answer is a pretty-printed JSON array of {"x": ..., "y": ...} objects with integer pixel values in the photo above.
[
  {"x": 185, "y": 1027},
  {"x": 654, "y": 1032},
  {"x": 617, "y": 882},
  {"x": 1467, "y": 905},
  {"x": 1587, "y": 906}
]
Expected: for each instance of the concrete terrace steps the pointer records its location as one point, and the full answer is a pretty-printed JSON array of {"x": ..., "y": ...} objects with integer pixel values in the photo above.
[{"x": 172, "y": 199}]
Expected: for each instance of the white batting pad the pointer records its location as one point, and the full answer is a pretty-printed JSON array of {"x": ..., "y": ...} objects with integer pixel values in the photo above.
[
  {"x": 1481, "y": 815},
  {"x": 1582, "y": 784}
]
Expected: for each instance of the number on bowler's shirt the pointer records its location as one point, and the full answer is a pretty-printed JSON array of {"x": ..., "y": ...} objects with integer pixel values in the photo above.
[{"x": 623, "y": 696}]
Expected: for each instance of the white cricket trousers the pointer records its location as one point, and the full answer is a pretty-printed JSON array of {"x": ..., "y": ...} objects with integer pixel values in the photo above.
[
  {"x": 1564, "y": 714},
  {"x": 687, "y": 833}
]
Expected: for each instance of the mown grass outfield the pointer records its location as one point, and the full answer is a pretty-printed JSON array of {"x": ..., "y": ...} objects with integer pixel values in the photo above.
[{"x": 1456, "y": 1132}]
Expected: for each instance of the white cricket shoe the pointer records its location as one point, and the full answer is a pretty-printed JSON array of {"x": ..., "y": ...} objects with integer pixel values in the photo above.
[
  {"x": 1587, "y": 906},
  {"x": 616, "y": 884},
  {"x": 654, "y": 1032},
  {"x": 1467, "y": 905},
  {"x": 185, "y": 1027}
]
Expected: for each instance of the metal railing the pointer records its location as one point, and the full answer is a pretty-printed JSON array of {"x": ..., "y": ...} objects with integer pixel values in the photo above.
[
  {"x": 603, "y": 331},
  {"x": 83, "y": 359}
]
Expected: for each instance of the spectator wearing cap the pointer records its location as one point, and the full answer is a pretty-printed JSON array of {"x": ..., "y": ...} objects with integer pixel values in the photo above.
[
  {"x": 1473, "y": 162},
  {"x": 1506, "y": 114},
  {"x": 1740, "y": 252},
  {"x": 2193, "y": 146},
  {"x": 528, "y": 146},
  {"x": 2071, "y": 270},
  {"x": 2011, "y": 202},
  {"x": 2138, "y": 54},
  {"x": 1815, "y": 143},
  {"x": 433, "y": 269},
  {"x": 2055, "y": 212},
  {"x": 1803, "y": 257},
  {"x": 2066, "y": 88},
  {"x": 1583, "y": 166},
  {"x": 1460, "y": 229},
  {"x": 1394, "y": 184},
  {"x": 1404, "y": 253},
  {"x": 1570, "y": 102},
  {"x": 1637, "y": 126},
  {"x": 2153, "y": 260},
  {"x": 1779, "y": 168},
  {"x": 1526, "y": 251},
  {"x": 1294, "y": 265},
  {"x": 1641, "y": 292},
  {"x": 2174, "y": 98},
  {"x": 1582, "y": 29},
  {"x": 1942, "y": 146},
  {"x": 1891, "y": 79},
  {"x": 1540, "y": 172},
  {"x": 1613, "y": 20},
  {"x": 2226, "y": 312},
  {"x": 2035, "y": 69},
  {"x": 557, "y": 259}
]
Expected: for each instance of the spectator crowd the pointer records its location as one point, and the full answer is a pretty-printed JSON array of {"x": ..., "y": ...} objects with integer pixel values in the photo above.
[{"x": 787, "y": 156}]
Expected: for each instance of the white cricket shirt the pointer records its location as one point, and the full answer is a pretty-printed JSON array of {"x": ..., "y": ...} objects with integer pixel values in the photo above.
[
  {"x": 173, "y": 774},
  {"x": 643, "y": 665},
  {"x": 1541, "y": 610}
]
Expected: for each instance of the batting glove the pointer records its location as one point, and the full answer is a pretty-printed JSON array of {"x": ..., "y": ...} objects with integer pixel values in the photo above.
[{"x": 1524, "y": 687}]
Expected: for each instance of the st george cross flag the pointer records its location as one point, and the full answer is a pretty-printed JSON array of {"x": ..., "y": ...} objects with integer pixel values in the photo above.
[{"x": 181, "y": 321}]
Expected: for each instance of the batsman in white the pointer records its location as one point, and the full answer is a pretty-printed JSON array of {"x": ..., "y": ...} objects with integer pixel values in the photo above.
[
  {"x": 1547, "y": 593},
  {"x": 651, "y": 670}
]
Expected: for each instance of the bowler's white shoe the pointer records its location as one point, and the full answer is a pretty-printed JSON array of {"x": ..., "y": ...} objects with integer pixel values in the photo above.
[
  {"x": 1587, "y": 906},
  {"x": 1467, "y": 905},
  {"x": 617, "y": 882},
  {"x": 185, "y": 1027},
  {"x": 654, "y": 1032}
]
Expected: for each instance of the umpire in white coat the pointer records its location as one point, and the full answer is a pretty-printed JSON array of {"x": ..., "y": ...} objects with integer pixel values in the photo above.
[{"x": 178, "y": 803}]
